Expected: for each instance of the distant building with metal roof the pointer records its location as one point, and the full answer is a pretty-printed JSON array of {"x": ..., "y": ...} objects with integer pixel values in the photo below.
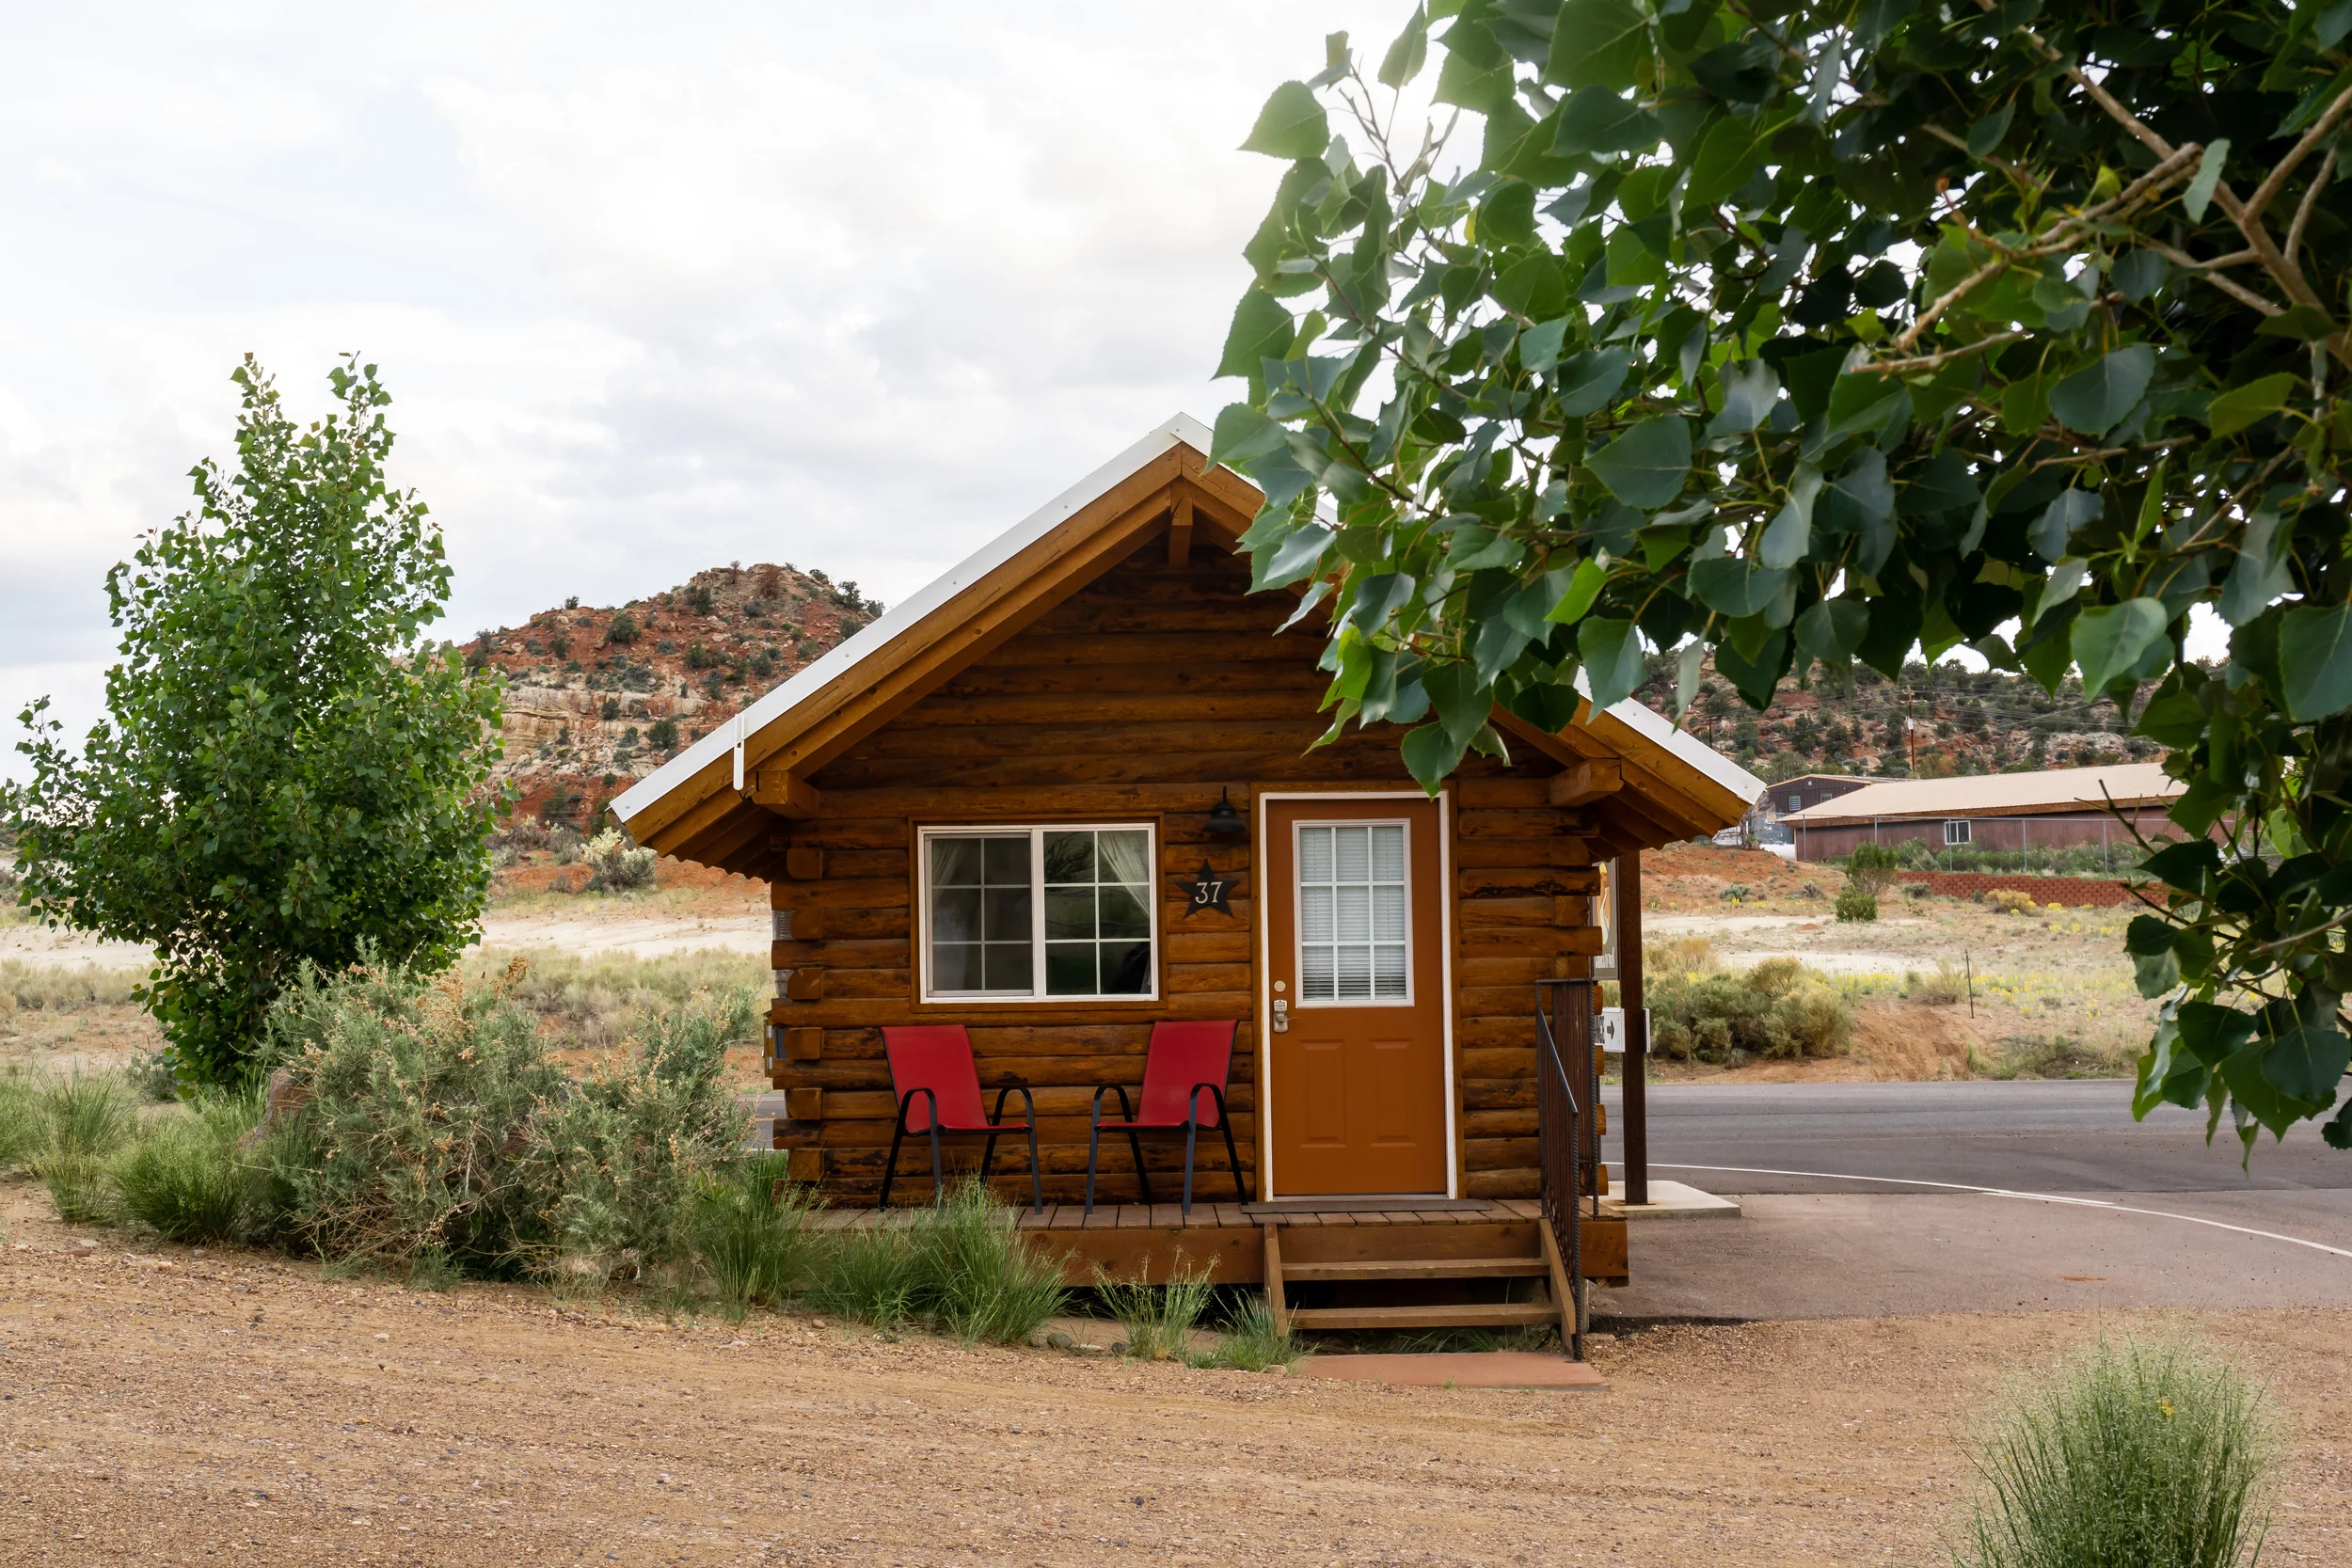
[{"x": 2051, "y": 809}]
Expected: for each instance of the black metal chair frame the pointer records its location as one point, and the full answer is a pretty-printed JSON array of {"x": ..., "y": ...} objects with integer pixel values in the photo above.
[
  {"x": 1191, "y": 1128},
  {"x": 994, "y": 1129}
]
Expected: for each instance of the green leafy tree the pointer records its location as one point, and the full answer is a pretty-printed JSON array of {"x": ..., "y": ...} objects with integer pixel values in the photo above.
[
  {"x": 1843, "y": 330},
  {"x": 288, "y": 770}
]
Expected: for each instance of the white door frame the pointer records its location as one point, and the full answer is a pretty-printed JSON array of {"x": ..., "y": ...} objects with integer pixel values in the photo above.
[{"x": 1265, "y": 988}]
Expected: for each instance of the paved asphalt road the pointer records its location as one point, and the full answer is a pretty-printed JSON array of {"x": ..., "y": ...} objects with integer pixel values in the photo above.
[
  {"x": 2042, "y": 1137},
  {"x": 2145, "y": 1214}
]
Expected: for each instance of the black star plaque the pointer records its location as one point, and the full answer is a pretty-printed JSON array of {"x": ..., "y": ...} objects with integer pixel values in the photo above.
[{"x": 1208, "y": 891}]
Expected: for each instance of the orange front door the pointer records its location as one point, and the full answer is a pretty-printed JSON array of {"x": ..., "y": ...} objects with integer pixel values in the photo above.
[{"x": 1356, "y": 1000}]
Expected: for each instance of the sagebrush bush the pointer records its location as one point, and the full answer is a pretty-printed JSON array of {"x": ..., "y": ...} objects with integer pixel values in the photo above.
[
  {"x": 963, "y": 1268},
  {"x": 2141, "y": 1454},
  {"x": 614, "y": 865},
  {"x": 432, "y": 1124},
  {"x": 186, "y": 1177},
  {"x": 1777, "y": 1008},
  {"x": 1856, "y": 903},
  {"x": 2008, "y": 900}
]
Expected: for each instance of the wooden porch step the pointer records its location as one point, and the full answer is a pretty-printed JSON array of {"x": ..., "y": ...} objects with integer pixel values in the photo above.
[
  {"x": 1508, "y": 1314},
  {"x": 1421, "y": 1268}
]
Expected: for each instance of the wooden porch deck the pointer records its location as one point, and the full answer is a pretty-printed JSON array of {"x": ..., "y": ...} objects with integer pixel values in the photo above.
[{"x": 1150, "y": 1243}]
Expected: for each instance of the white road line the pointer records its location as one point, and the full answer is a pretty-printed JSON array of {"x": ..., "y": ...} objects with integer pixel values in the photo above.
[{"x": 2005, "y": 1191}]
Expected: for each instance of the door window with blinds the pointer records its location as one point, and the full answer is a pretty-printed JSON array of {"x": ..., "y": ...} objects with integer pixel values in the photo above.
[
  {"x": 1353, "y": 943},
  {"x": 1038, "y": 914}
]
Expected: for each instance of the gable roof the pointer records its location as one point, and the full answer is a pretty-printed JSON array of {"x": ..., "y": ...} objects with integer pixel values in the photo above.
[
  {"x": 712, "y": 798},
  {"x": 2058, "y": 789}
]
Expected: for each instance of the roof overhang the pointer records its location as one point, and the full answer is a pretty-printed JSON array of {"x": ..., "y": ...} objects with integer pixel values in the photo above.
[{"x": 728, "y": 790}]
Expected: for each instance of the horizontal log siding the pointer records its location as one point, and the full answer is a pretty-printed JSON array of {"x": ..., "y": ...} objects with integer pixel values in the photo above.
[{"x": 1141, "y": 699}]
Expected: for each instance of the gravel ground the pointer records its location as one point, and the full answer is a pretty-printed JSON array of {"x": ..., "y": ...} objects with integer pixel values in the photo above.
[{"x": 163, "y": 1407}]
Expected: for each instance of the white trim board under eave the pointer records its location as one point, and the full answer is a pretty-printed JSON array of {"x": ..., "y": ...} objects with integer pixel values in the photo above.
[{"x": 910, "y": 613}]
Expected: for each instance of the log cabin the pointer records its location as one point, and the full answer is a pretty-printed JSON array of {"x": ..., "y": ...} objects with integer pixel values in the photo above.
[{"x": 1072, "y": 789}]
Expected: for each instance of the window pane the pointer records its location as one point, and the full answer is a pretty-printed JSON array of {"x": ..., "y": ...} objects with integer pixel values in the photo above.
[
  {"x": 1126, "y": 968},
  {"x": 1007, "y": 861},
  {"x": 1008, "y": 966},
  {"x": 1069, "y": 914},
  {"x": 1355, "y": 913},
  {"x": 1355, "y": 964},
  {"x": 1350, "y": 859},
  {"x": 1070, "y": 969},
  {"x": 1388, "y": 969},
  {"x": 1314, "y": 973},
  {"x": 1069, "y": 857},
  {"x": 956, "y": 966},
  {"x": 1387, "y": 854},
  {"x": 956, "y": 913},
  {"x": 956, "y": 862},
  {"x": 1315, "y": 914},
  {"x": 1005, "y": 911},
  {"x": 1123, "y": 914},
  {"x": 1127, "y": 859},
  {"x": 1387, "y": 915},
  {"x": 1314, "y": 854}
]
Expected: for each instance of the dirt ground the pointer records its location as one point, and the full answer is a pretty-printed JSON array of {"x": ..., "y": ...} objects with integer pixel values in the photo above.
[
  {"x": 2046, "y": 976},
  {"x": 168, "y": 1407}
]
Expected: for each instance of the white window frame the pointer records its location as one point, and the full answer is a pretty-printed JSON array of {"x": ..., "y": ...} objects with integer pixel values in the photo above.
[
  {"x": 1299, "y": 946},
  {"x": 1036, "y": 996},
  {"x": 1958, "y": 830}
]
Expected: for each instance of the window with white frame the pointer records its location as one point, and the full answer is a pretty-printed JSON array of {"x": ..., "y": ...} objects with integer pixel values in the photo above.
[
  {"x": 1352, "y": 943},
  {"x": 1956, "y": 830},
  {"x": 1065, "y": 913}
]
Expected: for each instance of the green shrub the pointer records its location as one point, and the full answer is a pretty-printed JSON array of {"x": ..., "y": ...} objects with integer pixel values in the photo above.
[
  {"x": 1856, "y": 903},
  {"x": 1157, "y": 1319},
  {"x": 1778, "y": 1008},
  {"x": 750, "y": 1229},
  {"x": 617, "y": 867},
  {"x": 963, "y": 1268},
  {"x": 432, "y": 1122},
  {"x": 2135, "y": 1453},
  {"x": 185, "y": 1177}
]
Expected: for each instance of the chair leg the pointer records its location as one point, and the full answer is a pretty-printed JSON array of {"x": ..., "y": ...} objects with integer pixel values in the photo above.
[
  {"x": 1143, "y": 1178},
  {"x": 1192, "y": 1131},
  {"x": 988, "y": 1157},
  {"x": 939, "y": 1177},
  {"x": 1094, "y": 1152},
  {"x": 1225, "y": 1124},
  {"x": 896, "y": 1133}
]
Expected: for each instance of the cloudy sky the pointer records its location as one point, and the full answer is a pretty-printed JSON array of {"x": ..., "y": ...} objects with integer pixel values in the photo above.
[{"x": 653, "y": 288}]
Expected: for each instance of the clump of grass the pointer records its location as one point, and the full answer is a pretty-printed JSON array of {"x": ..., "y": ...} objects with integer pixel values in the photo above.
[
  {"x": 58, "y": 989},
  {"x": 1157, "y": 1319},
  {"x": 78, "y": 1123},
  {"x": 1251, "y": 1342},
  {"x": 19, "y": 1119},
  {"x": 2056, "y": 1056},
  {"x": 963, "y": 1268},
  {"x": 749, "y": 1224},
  {"x": 184, "y": 1179},
  {"x": 1946, "y": 985},
  {"x": 2135, "y": 1454}
]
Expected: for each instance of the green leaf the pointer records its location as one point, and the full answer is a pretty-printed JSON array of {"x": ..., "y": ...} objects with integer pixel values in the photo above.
[
  {"x": 1728, "y": 157},
  {"x": 2053, "y": 531},
  {"x": 1263, "y": 329},
  {"x": 1540, "y": 345},
  {"x": 1408, "y": 54},
  {"x": 1736, "y": 585},
  {"x": 1831, "y": 631},
  {"x": 1430, "y": 753},
  {"x": 2201, "y": 187},
  {"x": 1861, "y": 401},
  {"x": 2183, "y": 865},
  {"x": 1598, "y": 43},
  {"x": 1595, "y": 120},
  {"x": 1299, "y": 553},
  {"x": 2315, "y": 659},
  {"x": 1790, "y": 533},
  {"x": 1242, "y": 436},
  {"x": 1588, "y": 381},
  {"x": 1584, "y": 588},
  {"x": 2260, "y": 576},
  {"x": 1749, "y": 390},
  {"x": 1612, "y": 651},
  {"x": 2108, "y": 640},
  {"x": 2306, "y": 324},
  {"x": 1649, "y": 465},
  {"x": 2155, "y": 974},
  {"x": 2306, "y": 1060},
  {"x": 2095, "y": 398},
  {"x": 1291, "y": 125},
  {"x": 1986, "y": 133}
]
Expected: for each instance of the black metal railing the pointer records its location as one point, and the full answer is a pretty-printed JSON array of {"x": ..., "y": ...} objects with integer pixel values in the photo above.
[{"x": 1568, "y": 1090}]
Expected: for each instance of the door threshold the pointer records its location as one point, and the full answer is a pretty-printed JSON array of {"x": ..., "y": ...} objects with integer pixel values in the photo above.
[{"x": 1360, "y": 1203}]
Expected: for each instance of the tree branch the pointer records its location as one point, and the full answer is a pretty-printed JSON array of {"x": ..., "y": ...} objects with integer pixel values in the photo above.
[
  {"x": 1937, "y": 361},
  {"x": 2235, "y": 289},
  {"x": 2277, "y": 179},
  {"x": 2311, "y": 199}
]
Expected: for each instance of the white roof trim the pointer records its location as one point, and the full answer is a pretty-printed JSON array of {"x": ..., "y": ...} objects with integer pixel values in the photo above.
[
  {"x": 910, "y": 613},
  {"x": 1682, "y": 745}
]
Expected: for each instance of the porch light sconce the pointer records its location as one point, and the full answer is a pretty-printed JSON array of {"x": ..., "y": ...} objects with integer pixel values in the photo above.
[{"x": 1224, "y": 821}]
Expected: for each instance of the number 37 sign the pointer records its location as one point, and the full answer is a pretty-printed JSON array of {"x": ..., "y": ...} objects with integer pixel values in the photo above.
[{"x": 1207, "y": 890}]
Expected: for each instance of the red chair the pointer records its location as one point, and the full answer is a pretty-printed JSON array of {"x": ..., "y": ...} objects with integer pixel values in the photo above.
[
  {"x": 933, "y": 1063},
  {"x": 1183, "y": 1062}
]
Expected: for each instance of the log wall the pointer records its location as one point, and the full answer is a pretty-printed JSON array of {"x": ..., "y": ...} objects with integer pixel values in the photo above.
[{"x": 1141, "y": 698}]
